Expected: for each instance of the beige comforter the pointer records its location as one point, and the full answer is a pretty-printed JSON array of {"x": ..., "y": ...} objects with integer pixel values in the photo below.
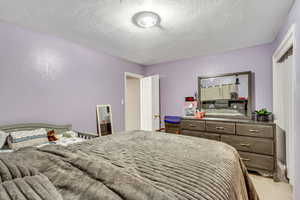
[{"x": 141, "y": 166}]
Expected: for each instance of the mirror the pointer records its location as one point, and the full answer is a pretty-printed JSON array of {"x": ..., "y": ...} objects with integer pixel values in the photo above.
[
  {"x": 104, "y": 120},
  {"x": 226, "y": 96}
]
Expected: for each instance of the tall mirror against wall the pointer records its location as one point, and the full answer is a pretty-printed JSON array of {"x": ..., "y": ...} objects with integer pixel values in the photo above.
[
  {"x": 226, "y": 96},
  {"x": 104, "y": 120}
]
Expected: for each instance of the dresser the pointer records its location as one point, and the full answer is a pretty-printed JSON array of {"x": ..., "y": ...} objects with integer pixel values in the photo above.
[{"x": 255, "y": 141}]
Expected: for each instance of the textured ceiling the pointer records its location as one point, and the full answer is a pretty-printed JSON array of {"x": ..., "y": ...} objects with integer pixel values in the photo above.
[{"x": 188, "y": 27}]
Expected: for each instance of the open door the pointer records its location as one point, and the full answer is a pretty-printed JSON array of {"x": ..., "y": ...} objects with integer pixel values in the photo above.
[{"x": 150, "y": 109}]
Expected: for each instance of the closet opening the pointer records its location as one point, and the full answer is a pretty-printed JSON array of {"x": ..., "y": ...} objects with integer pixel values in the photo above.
[{"x": 284, "y": 103}]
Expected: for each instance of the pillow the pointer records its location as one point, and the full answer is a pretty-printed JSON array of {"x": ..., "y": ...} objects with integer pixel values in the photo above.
[
  {"x": 6, "y": 151},
  {"x": 3, "y": 138},
  {"x": 70, "y": 134},
  {"x": 21, "y": 139}
]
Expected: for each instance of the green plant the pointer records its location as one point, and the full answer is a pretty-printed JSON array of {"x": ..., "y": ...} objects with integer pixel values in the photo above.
[{"x": 263, "y": 112}]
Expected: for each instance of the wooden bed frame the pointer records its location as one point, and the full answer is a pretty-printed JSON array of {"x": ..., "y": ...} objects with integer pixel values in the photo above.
[{"x": 57, "y": 128}]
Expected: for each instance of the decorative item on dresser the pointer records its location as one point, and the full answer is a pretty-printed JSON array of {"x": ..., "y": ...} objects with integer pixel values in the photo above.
[{"x": 255, "y": 141}]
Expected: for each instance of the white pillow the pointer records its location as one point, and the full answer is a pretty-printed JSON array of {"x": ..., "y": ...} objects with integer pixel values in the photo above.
[
  {"x": 6, "y": 151},
  {"x": 70, "y": 134},
  {"x": 20, "y": 139},
  {"x": 31, "y": 134},
  {"x": 3, "y": 138}
]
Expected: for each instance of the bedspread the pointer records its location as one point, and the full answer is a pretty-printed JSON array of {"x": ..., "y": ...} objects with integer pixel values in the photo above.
[{"x": 142, "y": 166}]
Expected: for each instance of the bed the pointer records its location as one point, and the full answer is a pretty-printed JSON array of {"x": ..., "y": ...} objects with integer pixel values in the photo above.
[{"x": 134, "y": 165}]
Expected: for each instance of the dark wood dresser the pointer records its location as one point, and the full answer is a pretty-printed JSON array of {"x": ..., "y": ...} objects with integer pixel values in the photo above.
[{"x": 255, "y": 141}]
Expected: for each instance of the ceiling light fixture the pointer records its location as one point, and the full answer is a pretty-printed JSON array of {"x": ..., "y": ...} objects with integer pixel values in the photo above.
[{"x": 146, "y": 19}]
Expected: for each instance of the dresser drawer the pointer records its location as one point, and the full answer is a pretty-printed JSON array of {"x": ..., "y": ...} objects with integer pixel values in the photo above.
[
  {"x": 210, "y": 136},
  {"x": 252, "y": 160},
  {"x": 255, "y": 130},
  {"x": 193, "y": 125},
  {"x": 220, "y": 127},
  {"x": 250, "y": 144}
]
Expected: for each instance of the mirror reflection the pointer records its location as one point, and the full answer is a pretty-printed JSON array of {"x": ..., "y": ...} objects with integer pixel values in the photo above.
[
  {"x": 226, "y": 95},
  {"x": 104, "y": 117}
]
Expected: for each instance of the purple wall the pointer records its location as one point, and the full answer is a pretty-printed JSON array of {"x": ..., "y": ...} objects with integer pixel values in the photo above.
[
  {"x": 294, "y": 18},
  {"x": 46, "y": 79},
  {"x": 179, "y": 79}
]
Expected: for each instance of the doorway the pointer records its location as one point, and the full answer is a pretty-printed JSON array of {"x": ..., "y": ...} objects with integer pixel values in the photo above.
[
  {"x": 132, "y": 101},
  {"x": 284, "y": 87},
  {"x": 142, "y": 102}
]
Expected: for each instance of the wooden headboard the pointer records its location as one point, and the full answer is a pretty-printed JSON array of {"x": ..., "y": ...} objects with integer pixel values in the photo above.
[{"x": 31, "y": 126}]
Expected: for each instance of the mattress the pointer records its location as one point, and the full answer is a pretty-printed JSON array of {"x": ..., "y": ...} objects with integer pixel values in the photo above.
[{"x": 140, "y": 166}]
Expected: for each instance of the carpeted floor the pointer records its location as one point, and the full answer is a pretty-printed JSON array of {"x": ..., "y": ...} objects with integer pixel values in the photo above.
[{"x": 269, "y": 190}]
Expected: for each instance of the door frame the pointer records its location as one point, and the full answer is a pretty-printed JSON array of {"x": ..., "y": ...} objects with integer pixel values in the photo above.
[
  {"x": 288, "y": 41},
  {"x": 285, "y": 44},
  {"x": 133, "y": 75}
]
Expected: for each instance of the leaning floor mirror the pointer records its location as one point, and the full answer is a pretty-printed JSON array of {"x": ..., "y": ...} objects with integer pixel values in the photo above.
[{"x": 104, "y": 120}]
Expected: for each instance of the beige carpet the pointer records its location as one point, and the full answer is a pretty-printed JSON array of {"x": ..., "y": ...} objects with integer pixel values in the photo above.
[{"x": 269, "y": 190}]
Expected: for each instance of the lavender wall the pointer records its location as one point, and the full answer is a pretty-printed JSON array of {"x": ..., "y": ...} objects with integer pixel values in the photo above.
[
  {"x": 179, "y": 79},
  {"x": 46, "y": 79},
  {"x": 294, "y": 18}
]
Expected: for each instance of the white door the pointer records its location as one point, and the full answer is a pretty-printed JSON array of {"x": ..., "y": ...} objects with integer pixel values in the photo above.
[
  {"x": 284, "y": 96},
  {"x": 284, "y": 104},
  {"x": 284, "y": 90},
  {"x": 150, "y": 110}
]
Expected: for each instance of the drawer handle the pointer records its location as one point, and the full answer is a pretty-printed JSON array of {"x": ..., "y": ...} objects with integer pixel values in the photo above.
[
  {"x": 245, "y": 159},
  {"x": 245, "y": 145},
  {"x": 220, "y": 128},
  {"x": 254, "y": 131}
]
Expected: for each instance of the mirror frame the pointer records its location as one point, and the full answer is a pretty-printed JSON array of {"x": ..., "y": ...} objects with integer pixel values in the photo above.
[
  {"x": 98, "y": 118},
  {"x": 250, "y": 94}
]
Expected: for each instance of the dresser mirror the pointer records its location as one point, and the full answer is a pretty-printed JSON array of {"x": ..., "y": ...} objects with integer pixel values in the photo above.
[
  {"x": 104, "y": 120},
  {"x": 226, "y": 96}
]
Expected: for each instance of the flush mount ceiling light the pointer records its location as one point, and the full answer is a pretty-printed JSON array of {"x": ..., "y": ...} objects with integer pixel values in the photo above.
[{"x": 146, "y": 19}]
